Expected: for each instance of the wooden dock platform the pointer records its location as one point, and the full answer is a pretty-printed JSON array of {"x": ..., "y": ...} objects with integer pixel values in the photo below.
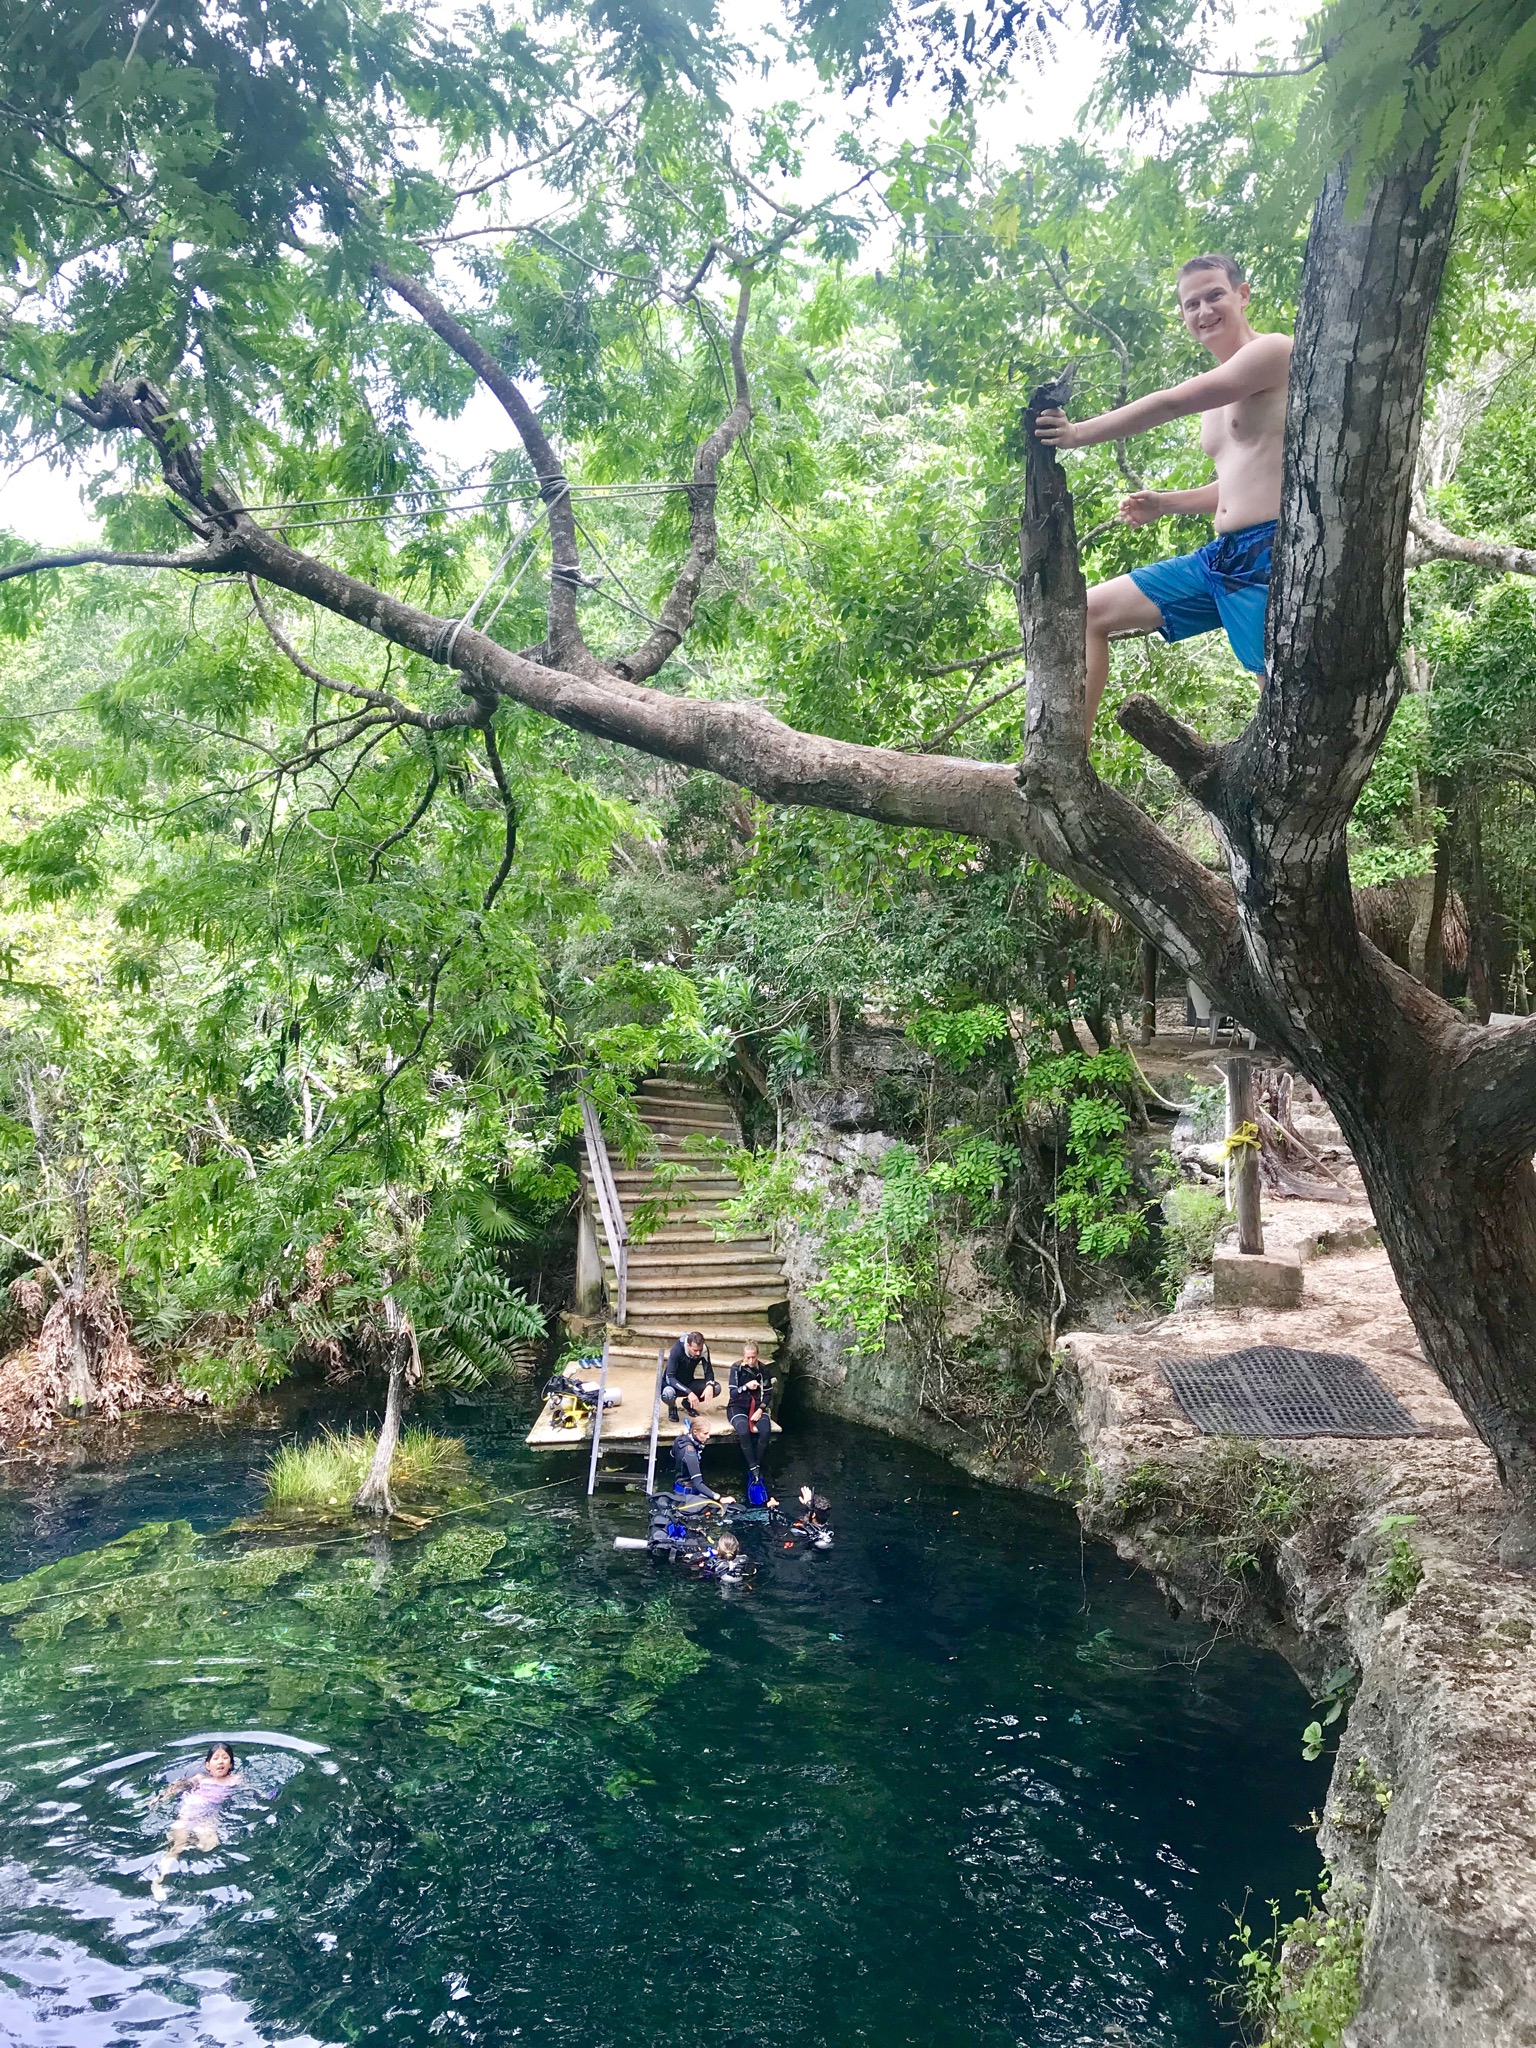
[{"x": 628, "y": 1427}]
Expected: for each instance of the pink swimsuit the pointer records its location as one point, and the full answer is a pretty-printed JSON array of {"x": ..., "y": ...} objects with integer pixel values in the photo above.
[{"x": 204, "y": 1796}]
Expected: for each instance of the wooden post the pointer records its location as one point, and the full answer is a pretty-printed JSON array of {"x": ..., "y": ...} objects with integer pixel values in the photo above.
[
  {"x": 650, "y": 1462},
  {"x": 1148, "y": 991},
  {"x": 589, "y": 1265},
  {"x": 1245, "y": 1158},
  {"x": 597, "y": 1425}
]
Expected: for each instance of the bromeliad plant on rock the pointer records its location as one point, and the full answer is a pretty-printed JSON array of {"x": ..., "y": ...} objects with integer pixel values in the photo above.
[{"x": 184, "y": 380}]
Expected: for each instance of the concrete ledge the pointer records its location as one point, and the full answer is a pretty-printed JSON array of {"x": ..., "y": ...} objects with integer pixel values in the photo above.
[{"x": 1257, "y": 1279}]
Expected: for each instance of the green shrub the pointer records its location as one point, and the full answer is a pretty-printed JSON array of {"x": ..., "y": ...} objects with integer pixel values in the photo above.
[
  {"x": 231, "y": 1373},
  {"x": 1193, "y": 1218},
  {"x": 1234, "y": 1502},
  {"x": 1096, "y": 1197},
  {"x": 1396, "y": 1578},
  {"x": 1299, "y": 1985},
  {"x": 326, "y": 1472}
]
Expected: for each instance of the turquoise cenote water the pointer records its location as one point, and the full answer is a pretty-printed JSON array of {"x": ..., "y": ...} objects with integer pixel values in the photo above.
[{"x": 956, "y": 1781}]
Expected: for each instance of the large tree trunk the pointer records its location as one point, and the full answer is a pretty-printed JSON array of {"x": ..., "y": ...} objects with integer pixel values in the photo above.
[
  {"x": 1440, "y": 893},
  {"x": 1441, "y": 1115}
]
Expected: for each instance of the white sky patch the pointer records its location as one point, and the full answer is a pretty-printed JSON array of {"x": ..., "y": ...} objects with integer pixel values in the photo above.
[{"x": 46, "y": 506}]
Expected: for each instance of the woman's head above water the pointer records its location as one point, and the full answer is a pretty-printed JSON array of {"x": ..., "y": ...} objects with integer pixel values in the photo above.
[{"x": 219, "y": 1761}]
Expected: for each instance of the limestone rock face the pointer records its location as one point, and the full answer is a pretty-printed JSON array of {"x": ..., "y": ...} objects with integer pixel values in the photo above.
[
  {"x": 1430, "y": 1818},
  {"x": 908, "y": 1386}
]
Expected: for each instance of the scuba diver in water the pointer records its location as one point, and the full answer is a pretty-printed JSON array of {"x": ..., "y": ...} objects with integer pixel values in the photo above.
[
  {"x": 815, "y": 1520},
  {"x": 746, "y": 1410},
  {"x": 688, "y": 1472},
  {"x": 733, "y": 1569},
  {"x": 680, "y": 1379},
  {"x": 203, "y": 1797}
]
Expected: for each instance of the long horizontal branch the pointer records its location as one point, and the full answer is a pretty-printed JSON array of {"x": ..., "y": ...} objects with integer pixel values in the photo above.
[
  {"x": 113, "y": 558},
  {"x": 739, "y": 741},
  {"x": 1437, "y": 543}
]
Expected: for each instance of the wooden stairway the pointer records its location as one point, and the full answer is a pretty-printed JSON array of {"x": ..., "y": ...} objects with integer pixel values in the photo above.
[{"x": 681, "y": 1277}]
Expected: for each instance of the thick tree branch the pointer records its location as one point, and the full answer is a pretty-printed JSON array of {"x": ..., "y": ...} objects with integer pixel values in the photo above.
[
  {"x": 111, "y": 558},
  {"x": 741, "y": 742},
  {"x": 1437, "y": 543},
  {"x": 703, "y": 540},
  {"x": 1082, "y": 829},
  {"x": 567, "y": 647},
  {"x": 1169, "y": 740},
  {"x": 1495, "y": 1079}
]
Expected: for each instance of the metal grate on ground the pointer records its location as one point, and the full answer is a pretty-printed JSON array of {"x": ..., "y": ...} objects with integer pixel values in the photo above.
[{"x": 1268, "y": 1390}]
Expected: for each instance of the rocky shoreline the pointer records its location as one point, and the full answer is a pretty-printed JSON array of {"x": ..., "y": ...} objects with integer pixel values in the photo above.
[{"x": 1371, "y": 1565}]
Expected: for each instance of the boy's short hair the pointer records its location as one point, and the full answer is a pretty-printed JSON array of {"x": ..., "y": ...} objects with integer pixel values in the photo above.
[
  {"x": 694, "y": 1337},
  {"x": 1228, "y": 265},
  {"x": 821, "y": 1505}
]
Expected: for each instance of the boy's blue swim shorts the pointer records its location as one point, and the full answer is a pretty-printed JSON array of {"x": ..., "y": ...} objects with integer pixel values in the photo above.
[{"x": 1225, "y": 583}]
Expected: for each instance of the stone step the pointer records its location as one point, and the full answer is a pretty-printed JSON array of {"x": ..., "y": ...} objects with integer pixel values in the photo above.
[
  {"x": 684, "y": 1233},
  {"x": 685, "y": 1312},
  {"x": 762, "y": 1289},
  {"x": 721, "y": 1330},
  {"x": 655, "y": 1272},
  {"x": 702, "y": 1140},
  {"x": 669, "y": 1109}
]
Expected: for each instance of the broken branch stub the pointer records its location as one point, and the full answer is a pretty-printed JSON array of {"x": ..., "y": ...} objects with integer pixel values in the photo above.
[{"x": 1053, "y": 599}]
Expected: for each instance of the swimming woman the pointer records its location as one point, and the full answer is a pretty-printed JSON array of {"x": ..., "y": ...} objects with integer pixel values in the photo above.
[{"x": 203, "y": 1797}]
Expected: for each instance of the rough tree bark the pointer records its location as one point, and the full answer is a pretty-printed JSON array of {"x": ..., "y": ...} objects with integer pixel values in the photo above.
[
  {"x": 1440, "y": 1113},
  {"x": 374, "y": 1496}
]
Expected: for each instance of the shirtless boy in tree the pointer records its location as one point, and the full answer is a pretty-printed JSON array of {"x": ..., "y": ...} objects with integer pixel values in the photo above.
[{"x": 1242, "y": 429}]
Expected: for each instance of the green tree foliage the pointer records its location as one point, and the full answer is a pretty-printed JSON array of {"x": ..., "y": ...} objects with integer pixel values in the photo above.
[{"x": 305, "y": 964}]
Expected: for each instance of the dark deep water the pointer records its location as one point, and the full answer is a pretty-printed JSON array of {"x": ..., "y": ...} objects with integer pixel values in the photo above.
[{"x": 957, "y": 1781}]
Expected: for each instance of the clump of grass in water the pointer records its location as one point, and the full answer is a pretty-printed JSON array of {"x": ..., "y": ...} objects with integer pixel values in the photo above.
[{"x": 327, "y": 1472}]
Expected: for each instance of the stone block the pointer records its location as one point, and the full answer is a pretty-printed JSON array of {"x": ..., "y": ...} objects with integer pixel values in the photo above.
[{"x": 1256, "y": 1279}]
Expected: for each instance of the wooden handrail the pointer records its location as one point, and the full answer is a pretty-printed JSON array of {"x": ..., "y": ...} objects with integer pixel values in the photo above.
[{"x": 609, "y": 1207}]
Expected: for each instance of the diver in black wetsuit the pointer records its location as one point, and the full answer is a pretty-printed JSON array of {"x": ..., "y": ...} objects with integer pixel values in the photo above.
[
  {"x": 689, "y": 1473},
  {"x": 815, "y": 1522},
  {"x": 732, "y": 1567},
  {"x": 746, "y": 1409},
  {"x": 680, "y": 1379}
]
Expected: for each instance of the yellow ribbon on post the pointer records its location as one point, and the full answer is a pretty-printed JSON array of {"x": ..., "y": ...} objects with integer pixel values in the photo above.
[{"x": 1244, "y": 1138}]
